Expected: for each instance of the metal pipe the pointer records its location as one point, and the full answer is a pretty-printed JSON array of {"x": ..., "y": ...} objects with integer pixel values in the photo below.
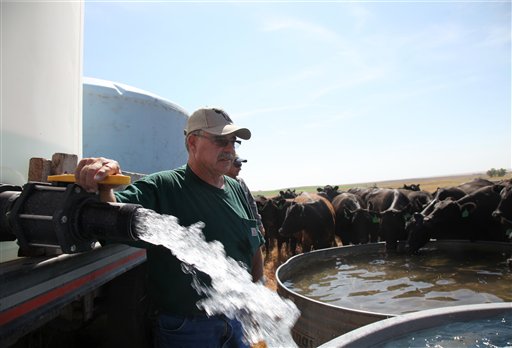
[{"x": 64, "y": 217}]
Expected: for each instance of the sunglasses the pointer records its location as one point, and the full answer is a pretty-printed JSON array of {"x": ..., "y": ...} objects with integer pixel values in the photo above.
[{"x": 221, "y": 141}]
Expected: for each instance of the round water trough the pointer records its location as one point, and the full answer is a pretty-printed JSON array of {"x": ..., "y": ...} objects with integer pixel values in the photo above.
[
  {"x": 321, "y": 322},
  {"x": 386, "y": 332}
]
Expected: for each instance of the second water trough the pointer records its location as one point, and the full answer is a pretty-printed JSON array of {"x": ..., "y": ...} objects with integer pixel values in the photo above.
[{"x": 336, "y": 292}]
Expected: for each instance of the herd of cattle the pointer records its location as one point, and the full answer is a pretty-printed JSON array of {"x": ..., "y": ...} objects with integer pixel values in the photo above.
[{"x": 476, "y": 210}]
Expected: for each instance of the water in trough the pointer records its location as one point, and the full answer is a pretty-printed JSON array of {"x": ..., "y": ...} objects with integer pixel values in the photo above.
[
  {"x": 398, "y": 284},
  {"x": 492, "y": 332}
]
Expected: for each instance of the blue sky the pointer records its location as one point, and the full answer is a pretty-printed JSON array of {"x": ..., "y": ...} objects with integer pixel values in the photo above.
[{"x": 333, "y": 92}]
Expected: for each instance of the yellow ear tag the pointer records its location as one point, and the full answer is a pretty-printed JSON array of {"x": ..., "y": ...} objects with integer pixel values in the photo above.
[{"x": 117, "y": 179}]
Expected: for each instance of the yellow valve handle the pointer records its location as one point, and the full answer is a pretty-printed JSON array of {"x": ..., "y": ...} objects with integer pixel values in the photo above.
[{"x": 117, "y": 179}]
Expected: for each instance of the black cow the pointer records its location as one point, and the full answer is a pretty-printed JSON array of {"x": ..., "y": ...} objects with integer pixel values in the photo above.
[
  {"x": 288, "y": 194},
  {"x": 412, "y": 187},
  {"x": 469, "y": 217},
  {"x": 419, "y": 199},
  {"x": 260, "y": 204},
  {"x": 365, "y": 226},
  {"x": 441, "y": 194},
  {"x": 354, "y": 224},
  {"x": 456, "y": 192},
  {"x": 394, "y": 208},
  {"x": 363, "y": 192},
  {"x": 272, "y": 214},
  {"x": 310, "y": 218},
  {"x": 260, "y": 201},
  {"x": 451, "y": 193},
  {"x": 475, "y": 184},
  {"x": 503, "y": 212},
  {"x": 328, "y": 192}
]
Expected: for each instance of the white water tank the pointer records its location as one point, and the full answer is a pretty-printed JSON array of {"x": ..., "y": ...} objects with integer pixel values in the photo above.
[
  {"x": 41, "y": 94},
  {"x": 140, "y": 130}
]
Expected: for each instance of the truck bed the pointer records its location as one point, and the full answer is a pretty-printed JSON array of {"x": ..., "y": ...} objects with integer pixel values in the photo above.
[{"x": 34, "y": 290}]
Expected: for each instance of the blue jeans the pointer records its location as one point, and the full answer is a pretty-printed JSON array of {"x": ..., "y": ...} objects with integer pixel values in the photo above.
[{"x": 173, "y": 331}]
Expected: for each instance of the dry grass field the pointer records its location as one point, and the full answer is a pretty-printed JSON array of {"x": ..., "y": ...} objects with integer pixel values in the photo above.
[
  {"x": 431, "y": 184},
  {"x": 274, "y": 258},
  {"x": 428, "y": 184}
]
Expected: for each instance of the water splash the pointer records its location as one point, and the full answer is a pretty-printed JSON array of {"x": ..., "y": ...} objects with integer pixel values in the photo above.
[{"x": 265, "y": 316}]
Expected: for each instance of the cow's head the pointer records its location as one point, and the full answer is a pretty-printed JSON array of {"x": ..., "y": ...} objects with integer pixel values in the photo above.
[
  {"x": 392, "y": 226},
  {"x": 328, "y": 192},
  {"x": 503, "y": 212},
  {"x": 450, "y": 211},
  {"x": 418, "y": 234},
  {"x": 269, "y": 218},
  {"x": 292, "y": 220},
  {"x": 365, "y": 226}
]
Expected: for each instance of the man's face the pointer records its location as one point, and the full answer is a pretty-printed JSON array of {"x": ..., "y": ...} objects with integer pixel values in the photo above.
[
  {"x": 235, "y": 169},
  {"x": 215, "y": 153}
]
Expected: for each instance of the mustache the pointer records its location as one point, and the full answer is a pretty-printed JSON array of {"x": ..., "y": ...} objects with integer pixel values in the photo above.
[{"x": 226, "y": 156}]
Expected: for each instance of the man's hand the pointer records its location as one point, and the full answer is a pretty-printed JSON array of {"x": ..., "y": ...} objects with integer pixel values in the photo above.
[{"x": 90, "y": 171}]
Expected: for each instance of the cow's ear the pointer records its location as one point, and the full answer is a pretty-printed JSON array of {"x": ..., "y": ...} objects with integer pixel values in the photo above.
[
  {"x": 467, "y": 209},
  {"x": 497, "y": 188},
  {"x": 319, "y": 189},
  {"x": 347, "y": 213},
  {"x": 335, "y": 188}
]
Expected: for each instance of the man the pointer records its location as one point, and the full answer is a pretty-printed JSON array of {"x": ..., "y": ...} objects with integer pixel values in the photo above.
[
  {"x": 233, "y": 173},
  {"x": 197, "y": 191},
  {"x": 236, "y": 167}
]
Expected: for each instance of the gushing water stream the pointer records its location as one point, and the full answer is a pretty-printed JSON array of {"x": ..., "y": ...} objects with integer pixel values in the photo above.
[{"x": 264, "y": 315}]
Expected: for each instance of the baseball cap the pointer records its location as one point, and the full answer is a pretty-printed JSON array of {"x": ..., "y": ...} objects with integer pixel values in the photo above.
[
  {"x": 215, "y": 121},
  {"x": 239, "y": 160}
]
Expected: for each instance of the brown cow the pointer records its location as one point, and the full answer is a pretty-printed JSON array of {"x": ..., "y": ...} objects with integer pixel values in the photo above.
[{"x": 310, "y": 218}]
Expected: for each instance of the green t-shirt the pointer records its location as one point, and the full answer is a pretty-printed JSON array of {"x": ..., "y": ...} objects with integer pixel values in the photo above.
[{"x": 184, "y": 195}]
